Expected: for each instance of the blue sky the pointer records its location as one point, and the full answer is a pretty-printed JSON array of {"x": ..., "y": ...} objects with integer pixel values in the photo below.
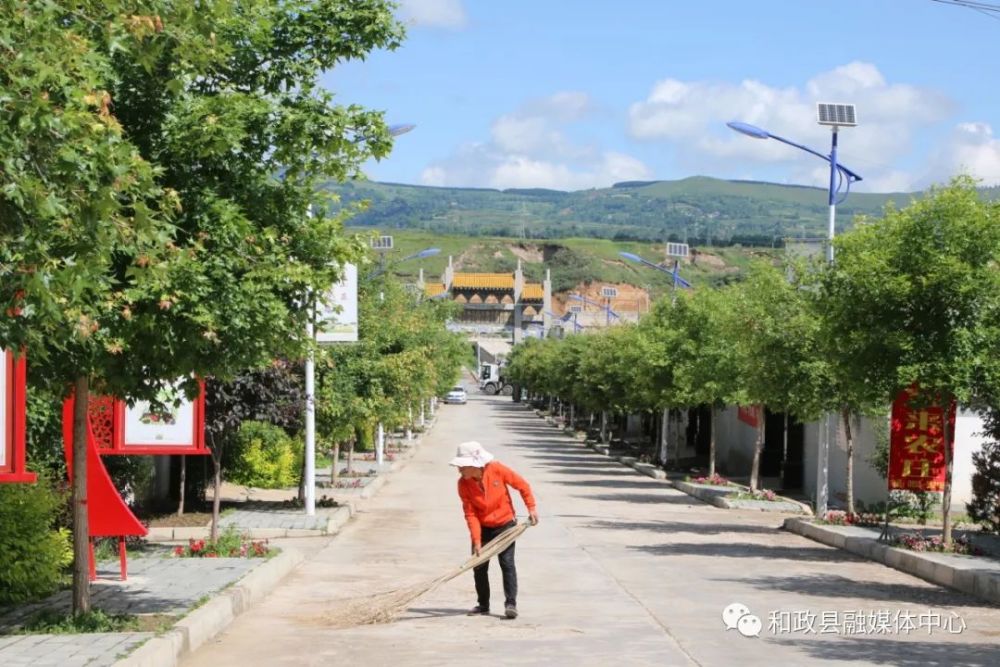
[{"x": 574, "y": 94}]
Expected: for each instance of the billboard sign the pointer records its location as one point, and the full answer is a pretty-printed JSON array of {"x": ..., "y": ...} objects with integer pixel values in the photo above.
[
  {"x": 337, "y": 319},
  {"x": 177, "y": 425}
]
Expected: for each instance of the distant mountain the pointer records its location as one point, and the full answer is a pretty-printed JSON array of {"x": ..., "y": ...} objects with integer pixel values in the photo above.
[{"x": 701, "y": 210}]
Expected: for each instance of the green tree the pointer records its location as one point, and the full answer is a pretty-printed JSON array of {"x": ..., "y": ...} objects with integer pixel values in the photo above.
[
  {"x": 777, "y": 333},
  {"x": 914, "y": 298},
  {"x": 704, "y": 357},
  {"x": 144, "y": 232}
]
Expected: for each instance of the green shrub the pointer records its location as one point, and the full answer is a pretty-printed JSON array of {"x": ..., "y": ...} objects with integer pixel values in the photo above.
[
  {"x": 34, "y": 555},
  {"x": 263, "y": 456}
]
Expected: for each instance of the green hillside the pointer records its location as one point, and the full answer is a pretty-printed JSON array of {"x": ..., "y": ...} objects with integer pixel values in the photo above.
[
  {"x": 704, "y": 211},
  {"x": 572, "y": 261}
]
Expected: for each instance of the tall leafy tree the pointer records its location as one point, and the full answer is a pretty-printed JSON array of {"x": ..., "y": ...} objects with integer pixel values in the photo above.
[
  {"x": 158, "y": 164},
  {"x": 914, "y": 298}
]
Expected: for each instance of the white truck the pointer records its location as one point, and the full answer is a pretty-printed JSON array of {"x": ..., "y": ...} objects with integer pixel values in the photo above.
[{"x": 492, "y": 380}]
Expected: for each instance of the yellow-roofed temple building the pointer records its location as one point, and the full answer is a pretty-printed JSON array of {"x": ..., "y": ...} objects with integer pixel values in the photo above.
[{"x": 496, "y": 303}]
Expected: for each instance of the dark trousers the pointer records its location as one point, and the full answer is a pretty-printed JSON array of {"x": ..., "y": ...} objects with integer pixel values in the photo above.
[{"x": 506, "y": 558}]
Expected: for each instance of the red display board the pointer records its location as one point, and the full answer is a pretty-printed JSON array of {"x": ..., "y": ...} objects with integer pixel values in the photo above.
[
  {"x": 12, "y": 419},
  {"x": 916, "y": 445},
  {"x": 120, "y": 429}
]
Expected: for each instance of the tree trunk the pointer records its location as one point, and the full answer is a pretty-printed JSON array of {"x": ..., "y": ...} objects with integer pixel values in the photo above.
[
  {"x": 711, "y": 440},
  {"x": 217, "y": 497},
  {"x": 180, "y": 503},
  {"x": 679, "y": 433},
  {"x": 604, "y": 427},
  {"x": 572, "y": 415},
  {"x": 784, "y": 450},
  {"x": 948, "y": 468},
  {"x": 81, "y": 528},
  {"x": 335, "y": 473},
  {"x": 664, "y": 450},
  {"x": 758, "y": 448},
  {"x": 845, "y": 414}
]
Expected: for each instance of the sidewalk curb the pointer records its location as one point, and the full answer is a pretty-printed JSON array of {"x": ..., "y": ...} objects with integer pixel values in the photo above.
[
  {"x": 333, "y": 526},
  {"x": 710, "y": 496},
  {"x": 336, "y": 521},
  {"x": 210, "y": 619},
  {"x": 942, "y": 569}
]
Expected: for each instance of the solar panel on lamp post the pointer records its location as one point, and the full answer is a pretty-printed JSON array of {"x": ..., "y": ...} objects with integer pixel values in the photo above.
[{"x": 835, "y": 116}]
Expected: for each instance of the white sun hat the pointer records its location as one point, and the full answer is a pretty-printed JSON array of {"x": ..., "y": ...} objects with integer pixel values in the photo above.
[{"x": 471, "y": 454}]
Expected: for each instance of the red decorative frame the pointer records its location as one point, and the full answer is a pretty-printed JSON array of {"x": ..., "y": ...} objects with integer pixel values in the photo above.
[
  {"x": 195, "y": 446},
  {"x": 107, "y": 424},
  {"x": 13, "y": 468}
]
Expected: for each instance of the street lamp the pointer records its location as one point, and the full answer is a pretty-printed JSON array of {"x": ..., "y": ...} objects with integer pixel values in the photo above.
[
  {"x": 603, "y": 307},
  {"x": 674, "y": 273},
  {"x": 310, "y": 372},
  {"x": 426, "y": 252},
  {"x": 835, "y": 116}
]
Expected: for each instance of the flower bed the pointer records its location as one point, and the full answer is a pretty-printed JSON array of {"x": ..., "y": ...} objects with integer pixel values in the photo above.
[
  {"x": 842, "y": 518},
  {"x": 760, "y": 494},
  {"x": 714, "y": 479},
  {"x": 935, "y": 543},
  {"x": 230, "y": 544}
]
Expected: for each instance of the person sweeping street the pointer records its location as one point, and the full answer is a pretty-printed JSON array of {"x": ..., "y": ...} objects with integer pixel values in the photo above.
[{"x": 489, "y": 511}]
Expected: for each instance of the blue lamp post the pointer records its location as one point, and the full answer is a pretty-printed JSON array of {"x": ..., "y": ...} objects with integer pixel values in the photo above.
[
  {"x": 603, "y": 307},
  {"x": 674, "y": 273},
  {"x": 836, "y": 116},
  {"x": 426, "y": 252},
  {"x": 839, "y": 174}
]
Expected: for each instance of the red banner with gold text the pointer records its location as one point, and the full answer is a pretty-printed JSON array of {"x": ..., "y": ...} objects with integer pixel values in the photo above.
[{"x": 916, "y": 445}]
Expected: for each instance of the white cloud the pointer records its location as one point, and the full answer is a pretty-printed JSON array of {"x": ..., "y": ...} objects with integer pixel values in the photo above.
[
  {"x": 434, "y": 13},
  {"x": 691, "y": 115},
  {"x": 529, "y": 148},
  {"x": 972, "y": 149}
]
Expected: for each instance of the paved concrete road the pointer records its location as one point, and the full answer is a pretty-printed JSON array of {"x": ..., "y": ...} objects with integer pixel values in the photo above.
[{"x": 622, "y": 570}]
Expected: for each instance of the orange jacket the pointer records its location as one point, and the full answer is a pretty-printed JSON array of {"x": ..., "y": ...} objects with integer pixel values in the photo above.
[{"x": 490, "y": 505}]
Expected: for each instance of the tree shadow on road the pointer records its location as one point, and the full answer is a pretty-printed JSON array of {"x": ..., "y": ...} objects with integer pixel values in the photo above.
[
  {"x": 660, "y": 498},
  {"x": 898, "y": 653},
  {"x": 836, "y": 586},
  {"x": 618, "y": 471},
  {"x": 682, "y": 527},
  {"x": 640, "y": 483},
  {"x": 745, "y": 550}
]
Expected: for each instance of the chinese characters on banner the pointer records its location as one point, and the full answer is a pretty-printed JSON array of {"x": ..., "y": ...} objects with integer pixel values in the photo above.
[{"x": 916, "y": 445}]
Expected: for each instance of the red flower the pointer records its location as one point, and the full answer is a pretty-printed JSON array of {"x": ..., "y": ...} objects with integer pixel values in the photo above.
[{"x": 178, "y": 551}]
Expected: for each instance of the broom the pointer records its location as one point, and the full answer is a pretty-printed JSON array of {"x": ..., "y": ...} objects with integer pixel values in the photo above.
[{"x": 384, "y": 607}]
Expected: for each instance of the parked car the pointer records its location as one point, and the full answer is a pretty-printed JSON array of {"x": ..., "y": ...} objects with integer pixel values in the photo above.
[{"x": 457, "y": 396}]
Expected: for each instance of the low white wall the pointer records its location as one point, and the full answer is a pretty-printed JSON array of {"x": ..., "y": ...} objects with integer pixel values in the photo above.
[
  {"x": 735, "y": 454},
  {"x": 734, "y": 443}
]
